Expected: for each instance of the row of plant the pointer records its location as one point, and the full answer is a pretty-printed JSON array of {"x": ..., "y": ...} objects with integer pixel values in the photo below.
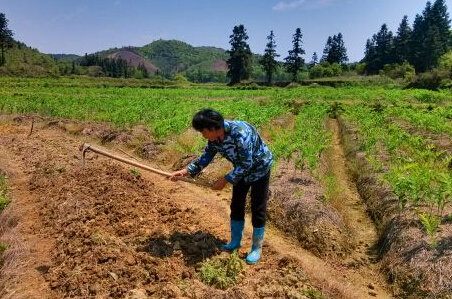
[
  {"x": 416, "y": 171},
  {"x": 435, "y": 119},
  {"x": 306, "y": 140},
  {"x": 164, "y": 112}
]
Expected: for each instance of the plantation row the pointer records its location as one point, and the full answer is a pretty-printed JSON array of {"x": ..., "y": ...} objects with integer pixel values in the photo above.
[
  {"x": 418, "y": 172},
  {"x": 168, "y": 111}
]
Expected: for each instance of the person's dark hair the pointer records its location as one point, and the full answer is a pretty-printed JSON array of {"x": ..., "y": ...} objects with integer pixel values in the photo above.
[{"x": 207, "y": 118}]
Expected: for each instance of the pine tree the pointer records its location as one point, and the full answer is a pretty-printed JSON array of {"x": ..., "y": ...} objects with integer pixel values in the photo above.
[
  {"x": 379, "y": 50},
  {"x": 327, "y": 49},
  {"x": 341, "y": 50},
  {"x": 335, "y": 51},
  {"x": 416, "y": 43},
  {"x": 73, "y": 67},
  {"x": 402, "y": 41},
  {"x": 268, "y": 61},
  {"x": 431, "y": 36},
  {"x": 239, "y": 62},
  {"x": 294, "y": 62},
  {"x": 314, "y": 59},
  {"x": 6, "y": 37},
  {"x": 441, "y": 19}
]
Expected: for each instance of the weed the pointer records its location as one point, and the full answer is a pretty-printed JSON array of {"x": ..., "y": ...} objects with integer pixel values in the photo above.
[
  {"x": 313, "y": 294},
  {"x": 3, "y": 247},
  {"x": 135, "y": 172},
  {"x": 377, "y": 107},
  {"x": 222, "y": 272},
  {"x": 331, "y": 187},
  {"x": 4, "y": 200}
]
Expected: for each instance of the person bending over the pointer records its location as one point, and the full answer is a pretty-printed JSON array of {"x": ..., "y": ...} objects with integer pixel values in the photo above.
[{"x": 240, "y": 143}]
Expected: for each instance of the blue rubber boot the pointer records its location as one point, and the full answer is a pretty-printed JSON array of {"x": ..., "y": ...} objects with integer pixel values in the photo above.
[
  {"x": 258, "y": 239},
  {"x": 236, "y": 235}
]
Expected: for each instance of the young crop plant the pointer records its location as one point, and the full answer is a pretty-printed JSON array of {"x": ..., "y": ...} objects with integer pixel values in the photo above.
[
  {"x": 431, "y": 223},
  {"x": 335, "y": 110},
  {"x": 435, "y": 120},
  {"x": 418, "y": 173},
  {"x": 306, "y": 141},
  {"x": 222, "y": 273}
]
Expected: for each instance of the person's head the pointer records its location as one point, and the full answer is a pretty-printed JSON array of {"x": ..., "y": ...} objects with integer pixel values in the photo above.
[{"x": 210, "y": 123}]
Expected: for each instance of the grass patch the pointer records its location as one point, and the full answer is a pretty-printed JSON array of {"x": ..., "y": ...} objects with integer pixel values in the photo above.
[
  {"x": 331, "y": 187},
  {"x": 222, "y": 272},
  {"x": 4, "y": 200}
]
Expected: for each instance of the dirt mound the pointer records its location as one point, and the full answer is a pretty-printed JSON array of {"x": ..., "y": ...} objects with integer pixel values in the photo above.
[
  {"x": 296, "y": 207},
  {"x": 104, "y": 236}
]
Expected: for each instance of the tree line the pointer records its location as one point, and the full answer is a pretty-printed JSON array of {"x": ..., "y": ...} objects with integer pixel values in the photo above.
[
  {"x": 240, "y": 66},
  {"x": 421, "y": 46},
  {"x": 115, "y": 68}
]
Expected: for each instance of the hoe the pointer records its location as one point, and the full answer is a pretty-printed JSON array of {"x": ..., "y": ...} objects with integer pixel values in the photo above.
[{"x": 87, "y": 147}]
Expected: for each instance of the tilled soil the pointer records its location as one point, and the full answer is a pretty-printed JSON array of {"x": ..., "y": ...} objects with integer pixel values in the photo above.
[{"x": 108, "y": 231}]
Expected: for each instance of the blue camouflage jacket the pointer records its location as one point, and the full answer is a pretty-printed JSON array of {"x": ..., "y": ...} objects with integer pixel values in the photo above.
[{"x": 243, "y": 147}]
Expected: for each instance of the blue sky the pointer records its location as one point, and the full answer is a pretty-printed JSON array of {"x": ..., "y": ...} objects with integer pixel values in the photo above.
[{"x": 87, "y": 26}]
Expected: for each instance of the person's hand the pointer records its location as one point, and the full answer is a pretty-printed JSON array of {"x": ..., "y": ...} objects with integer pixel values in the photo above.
[
  {"x": 178, "y": 174},
  {"x": 219, "y": 184}
]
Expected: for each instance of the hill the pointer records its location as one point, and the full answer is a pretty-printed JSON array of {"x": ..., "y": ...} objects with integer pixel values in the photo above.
[
  {"x": 161, "y": 57},
  {"x": 22, "y": 60},
  {"x": 172, "y": 56},
  {"x": 64, "y": 57},
  {"x": 134, "y": 60}
]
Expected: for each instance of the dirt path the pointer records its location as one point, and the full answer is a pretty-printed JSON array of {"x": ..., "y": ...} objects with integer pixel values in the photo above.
[{"x": 95, "y": 223}]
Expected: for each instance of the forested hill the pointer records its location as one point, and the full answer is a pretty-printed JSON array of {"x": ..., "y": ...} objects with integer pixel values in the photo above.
[
  {"x": 22, "y": 60},
  {"x": 169, "y": 57},
  {"x": 173, "y": 56},
  {"x": 164, "y": 57}
]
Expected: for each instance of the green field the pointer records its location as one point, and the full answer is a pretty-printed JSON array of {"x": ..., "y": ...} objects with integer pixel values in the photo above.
[{"x": 166, "y": 110}]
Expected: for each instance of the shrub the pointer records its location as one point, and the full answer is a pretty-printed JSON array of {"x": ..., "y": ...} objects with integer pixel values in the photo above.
[
  {"x": 325, "y": 69},
  {"x": 395, "y": 71},
  {"x": 429, "y": 80}
]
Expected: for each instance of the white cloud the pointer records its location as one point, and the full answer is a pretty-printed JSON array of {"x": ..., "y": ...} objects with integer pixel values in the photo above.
[
  {"x": 283, "y": 6},
  {"x": 304, "y": 4}
]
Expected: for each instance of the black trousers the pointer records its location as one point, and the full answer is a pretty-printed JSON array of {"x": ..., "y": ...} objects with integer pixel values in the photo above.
[{"x": 259, "y": 196}]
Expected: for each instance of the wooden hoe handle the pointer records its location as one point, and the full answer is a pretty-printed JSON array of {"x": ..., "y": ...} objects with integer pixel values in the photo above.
[{"x": 87, "y": 147}]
